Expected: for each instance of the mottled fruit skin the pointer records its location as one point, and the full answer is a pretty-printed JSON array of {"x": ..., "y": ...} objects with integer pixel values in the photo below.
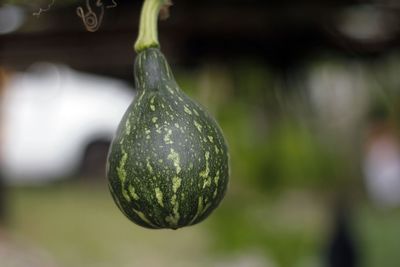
[{"x": 168, "y": 166}]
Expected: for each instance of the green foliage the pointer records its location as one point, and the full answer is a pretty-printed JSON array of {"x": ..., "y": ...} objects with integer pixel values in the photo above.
[
  {"x": 377, "y": 236},
  {"x": 271, "y": 149},
  {"x": 263, "y": 222}
]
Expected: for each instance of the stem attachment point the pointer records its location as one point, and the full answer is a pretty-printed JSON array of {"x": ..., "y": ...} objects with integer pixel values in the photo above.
[{"x": 148, "y": 35}]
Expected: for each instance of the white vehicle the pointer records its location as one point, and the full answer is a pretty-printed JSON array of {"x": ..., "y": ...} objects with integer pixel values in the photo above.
[{"x": 50, "y": 117}]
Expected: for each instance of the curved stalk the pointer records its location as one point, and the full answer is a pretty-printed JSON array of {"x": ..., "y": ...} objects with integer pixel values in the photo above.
[{"x": 148, "y": 35}]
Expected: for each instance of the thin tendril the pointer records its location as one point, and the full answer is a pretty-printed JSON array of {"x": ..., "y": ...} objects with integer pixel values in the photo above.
[
  {"x": 90, "y": 19},
  {"x": 114, "y": 4},
  {"x": 41, "y": 10}
]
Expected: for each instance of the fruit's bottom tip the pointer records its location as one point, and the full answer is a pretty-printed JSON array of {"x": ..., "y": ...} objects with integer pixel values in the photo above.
[{"x": 174, "y": 228}]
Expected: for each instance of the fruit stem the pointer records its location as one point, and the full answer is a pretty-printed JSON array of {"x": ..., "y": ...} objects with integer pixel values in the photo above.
[{"x": 148, "y": 36}]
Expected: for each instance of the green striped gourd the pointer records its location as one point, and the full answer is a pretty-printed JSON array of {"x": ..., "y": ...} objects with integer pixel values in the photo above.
[{"x": 168, "y": 164}]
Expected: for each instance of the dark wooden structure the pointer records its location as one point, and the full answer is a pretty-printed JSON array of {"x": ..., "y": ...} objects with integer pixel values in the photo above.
[{"x": 283, "y": 33}]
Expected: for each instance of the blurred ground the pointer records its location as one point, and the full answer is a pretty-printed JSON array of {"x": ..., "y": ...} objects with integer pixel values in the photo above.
[{"x": 69, "y": 222}]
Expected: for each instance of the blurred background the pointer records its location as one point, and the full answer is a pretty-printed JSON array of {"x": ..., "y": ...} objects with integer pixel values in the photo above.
[{"x": 307, "y": 93}]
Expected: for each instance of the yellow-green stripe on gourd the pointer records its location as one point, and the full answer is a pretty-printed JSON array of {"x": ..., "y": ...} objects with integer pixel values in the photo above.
[{"x": 168, "y": 164}]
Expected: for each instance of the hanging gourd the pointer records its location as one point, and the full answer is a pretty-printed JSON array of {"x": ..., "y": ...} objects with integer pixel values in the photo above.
[{"x": 168, "y": 165}]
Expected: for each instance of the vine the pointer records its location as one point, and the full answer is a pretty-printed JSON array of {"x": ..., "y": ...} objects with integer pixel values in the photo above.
[
  {"x": 41, "y": 10},
  {"x": 91, "y": 20}
]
